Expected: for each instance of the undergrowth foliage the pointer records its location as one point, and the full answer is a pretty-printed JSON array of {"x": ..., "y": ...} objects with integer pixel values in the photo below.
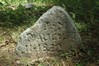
[
  {"x": 10, "y": 18},
  {"x": 84, "y": 11}
]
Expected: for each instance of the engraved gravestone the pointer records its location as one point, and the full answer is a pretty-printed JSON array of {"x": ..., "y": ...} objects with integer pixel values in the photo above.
[{"x": 53, "y": 33}]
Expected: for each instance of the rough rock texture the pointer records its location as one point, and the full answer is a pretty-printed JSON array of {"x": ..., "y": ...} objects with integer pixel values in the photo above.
[{"x": 53, "y": 33}]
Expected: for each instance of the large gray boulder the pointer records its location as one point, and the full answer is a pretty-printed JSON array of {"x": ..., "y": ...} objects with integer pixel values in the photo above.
[{"x": 53, "y": 33}]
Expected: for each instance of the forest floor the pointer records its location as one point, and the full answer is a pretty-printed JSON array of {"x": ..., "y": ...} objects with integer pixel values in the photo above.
[
  {"x": 9, "y": 58},
  {"x": 86, "y": 55}
]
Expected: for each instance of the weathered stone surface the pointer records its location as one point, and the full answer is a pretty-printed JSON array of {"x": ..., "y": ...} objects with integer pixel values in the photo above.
[{"x": 53, "y": 33}]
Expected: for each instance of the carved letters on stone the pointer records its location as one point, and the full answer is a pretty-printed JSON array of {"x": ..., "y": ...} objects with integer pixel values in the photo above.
[{"x": 53, "y": 33}]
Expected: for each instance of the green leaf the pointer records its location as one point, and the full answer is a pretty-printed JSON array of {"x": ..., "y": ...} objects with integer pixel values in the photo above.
[
  {"x": 79, "y": 64},
  {"x": 41, "y": 64},
  {"x": 97, "y": 2},
  {"x": 1, "y": 4}
]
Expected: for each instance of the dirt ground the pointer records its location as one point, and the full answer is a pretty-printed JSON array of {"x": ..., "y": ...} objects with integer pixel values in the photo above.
[{"x": 86, "y": 55}]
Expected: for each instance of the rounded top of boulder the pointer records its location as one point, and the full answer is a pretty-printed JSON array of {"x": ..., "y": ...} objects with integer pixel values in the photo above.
[{"x": 53, "y": 33}]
